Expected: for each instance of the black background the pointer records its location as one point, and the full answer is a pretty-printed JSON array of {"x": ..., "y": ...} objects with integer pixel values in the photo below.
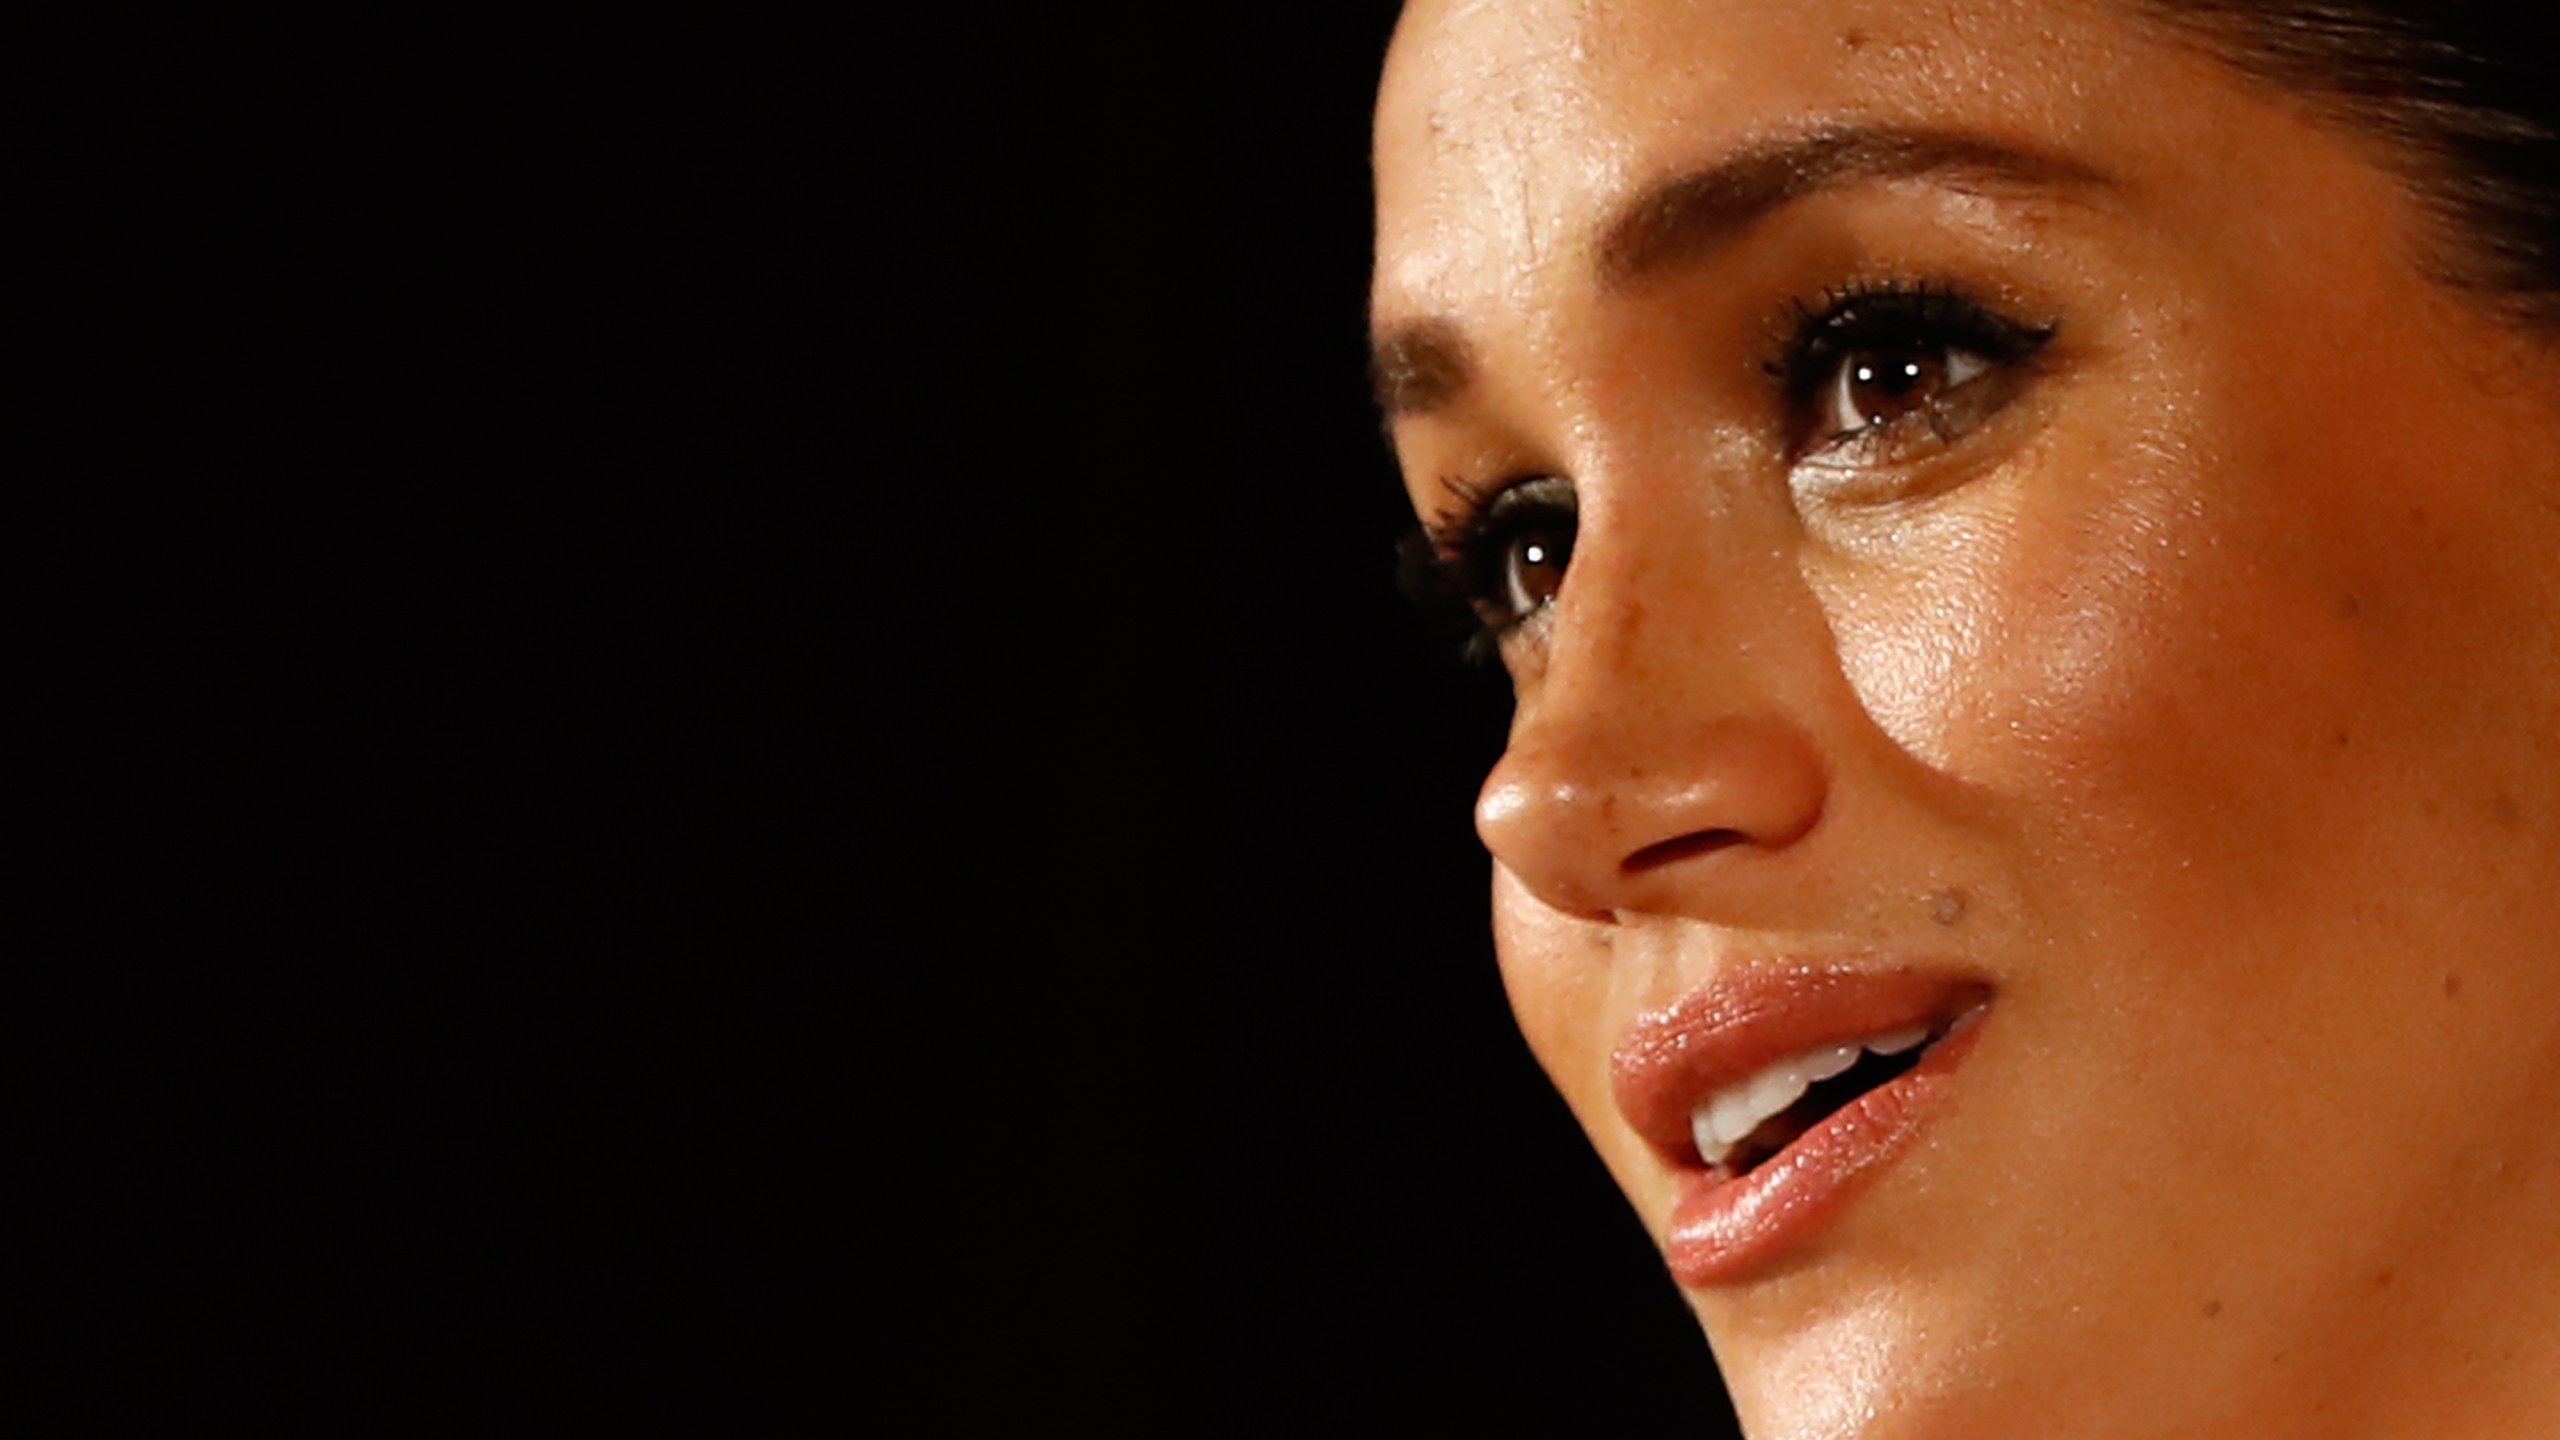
[
  {"x": 452, "y": 793},
  {"x": 725, "y": 715},
  {"x": 1415, "y": 1223}
]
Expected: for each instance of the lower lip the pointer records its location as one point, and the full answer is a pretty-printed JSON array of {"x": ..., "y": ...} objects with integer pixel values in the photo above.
[{"x": 1725, "y": 1230}]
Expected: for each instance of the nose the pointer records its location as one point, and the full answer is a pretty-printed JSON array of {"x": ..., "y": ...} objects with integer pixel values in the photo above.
[{"x": 1651, "y": 774}]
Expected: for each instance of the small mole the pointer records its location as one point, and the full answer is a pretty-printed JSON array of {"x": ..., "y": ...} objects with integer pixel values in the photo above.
[
  {"x": 1853, "y": 40},
  {"x": 2382, "y": 1280},
  {"x": 2349, "y": 607},
  {"x": 1947, "y": 906},
  {"x": 2452, "y": 986},
  {"x": 2507, "y": 811},
  {"x": 2342, "y": 737},
  {"x": 2212, "y": 1308}
]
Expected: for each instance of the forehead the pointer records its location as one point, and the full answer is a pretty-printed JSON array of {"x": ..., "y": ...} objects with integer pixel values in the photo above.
[{"x": 1508, "y": 128}]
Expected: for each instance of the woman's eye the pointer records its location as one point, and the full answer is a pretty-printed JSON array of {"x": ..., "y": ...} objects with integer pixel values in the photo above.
[
  {"x": 1890, "y": 375},
  {"x": 1505, "y": 555}
]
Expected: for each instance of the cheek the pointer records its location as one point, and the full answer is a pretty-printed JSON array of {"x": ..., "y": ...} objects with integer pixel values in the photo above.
[
  {"x": 1913, "y": 621},
  {"x": 1571, "y": 999},
  {"x": 2273, "y": 722},
  {"x": 1555, "y": 974},
  {"x": 2116, "y": 668}
]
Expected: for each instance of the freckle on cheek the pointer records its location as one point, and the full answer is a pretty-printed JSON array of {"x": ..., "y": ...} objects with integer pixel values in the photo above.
[{"x": 2452, "y": 986}]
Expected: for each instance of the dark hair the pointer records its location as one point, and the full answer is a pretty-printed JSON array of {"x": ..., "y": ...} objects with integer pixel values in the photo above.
[{"x": 2464, "y": 96}]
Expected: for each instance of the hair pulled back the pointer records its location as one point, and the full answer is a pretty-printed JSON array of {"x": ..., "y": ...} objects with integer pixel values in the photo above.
[{"x": 2463, "y": 95}]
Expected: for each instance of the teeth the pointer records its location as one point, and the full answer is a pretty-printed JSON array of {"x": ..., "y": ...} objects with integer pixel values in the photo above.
[
  {"x": 1776, "y": 1089},
  {"x": 1831, "y": 1060},
  {"x": 1899, "y": 1040},
  {"x": 1723, "y": 1119}
]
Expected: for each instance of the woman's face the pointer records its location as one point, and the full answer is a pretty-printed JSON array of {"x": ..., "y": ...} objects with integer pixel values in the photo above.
[{"x": 1997, "y": 540}]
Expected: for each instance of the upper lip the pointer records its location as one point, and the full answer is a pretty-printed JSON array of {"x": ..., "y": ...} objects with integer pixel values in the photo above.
[{"x": 1672, "y": 1058}]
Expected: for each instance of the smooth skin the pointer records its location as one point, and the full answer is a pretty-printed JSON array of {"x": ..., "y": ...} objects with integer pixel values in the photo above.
[{"x": 2204, "y": 696}]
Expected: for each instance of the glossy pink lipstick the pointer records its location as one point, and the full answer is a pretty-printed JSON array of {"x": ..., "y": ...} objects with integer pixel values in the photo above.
[{"x": 1687, "y": 1073}]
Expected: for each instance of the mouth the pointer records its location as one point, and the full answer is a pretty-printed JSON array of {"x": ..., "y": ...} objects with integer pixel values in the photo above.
[
  {"x": 1773, "y": 1096},
  {"x": 1751, "y": 1120}
]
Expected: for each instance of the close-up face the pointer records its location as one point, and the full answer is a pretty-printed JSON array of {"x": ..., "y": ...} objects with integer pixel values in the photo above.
[{"x": 2019, "y": 584}]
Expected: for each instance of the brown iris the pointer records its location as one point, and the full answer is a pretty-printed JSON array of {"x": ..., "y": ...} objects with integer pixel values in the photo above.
[{"x": 1878, "y": 386}]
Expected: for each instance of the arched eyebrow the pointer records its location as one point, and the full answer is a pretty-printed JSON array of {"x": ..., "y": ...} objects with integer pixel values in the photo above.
[
  {"x": 1689, "y": 217},
  {"x": 1417, "y": 366}
]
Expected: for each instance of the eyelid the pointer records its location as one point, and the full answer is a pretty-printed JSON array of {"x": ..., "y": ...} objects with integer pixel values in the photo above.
[{"x": 1457, "y": 532}]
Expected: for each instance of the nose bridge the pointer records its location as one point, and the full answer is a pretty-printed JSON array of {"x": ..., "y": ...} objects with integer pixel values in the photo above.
[
  {"x": 1663, "y": 756},
  {"x": 1652, "y": 619}
]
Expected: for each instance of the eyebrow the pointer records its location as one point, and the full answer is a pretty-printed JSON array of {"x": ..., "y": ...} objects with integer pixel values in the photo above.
[
  {"x": 1421, "y": 365},
  {"x": 1691, "y": 216},
  {"x": 1417, "y": 366}
]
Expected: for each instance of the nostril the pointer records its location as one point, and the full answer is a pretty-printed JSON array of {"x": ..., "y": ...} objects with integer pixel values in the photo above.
[
  {"x": 1667, "y": 852},
  {"x": 1597, "y": 816}
]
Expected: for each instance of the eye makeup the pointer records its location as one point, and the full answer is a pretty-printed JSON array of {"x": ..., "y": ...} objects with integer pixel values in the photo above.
[{"x": 1865, "y": 378}]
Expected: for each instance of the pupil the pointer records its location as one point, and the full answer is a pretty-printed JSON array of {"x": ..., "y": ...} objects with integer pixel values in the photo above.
[
  {"x": 1885, "y": 386},
  {"x": 1537, "y": 568}
]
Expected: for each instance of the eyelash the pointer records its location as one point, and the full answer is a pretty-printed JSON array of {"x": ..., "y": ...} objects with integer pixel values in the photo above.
[{"x": 1459, "y": 562}]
